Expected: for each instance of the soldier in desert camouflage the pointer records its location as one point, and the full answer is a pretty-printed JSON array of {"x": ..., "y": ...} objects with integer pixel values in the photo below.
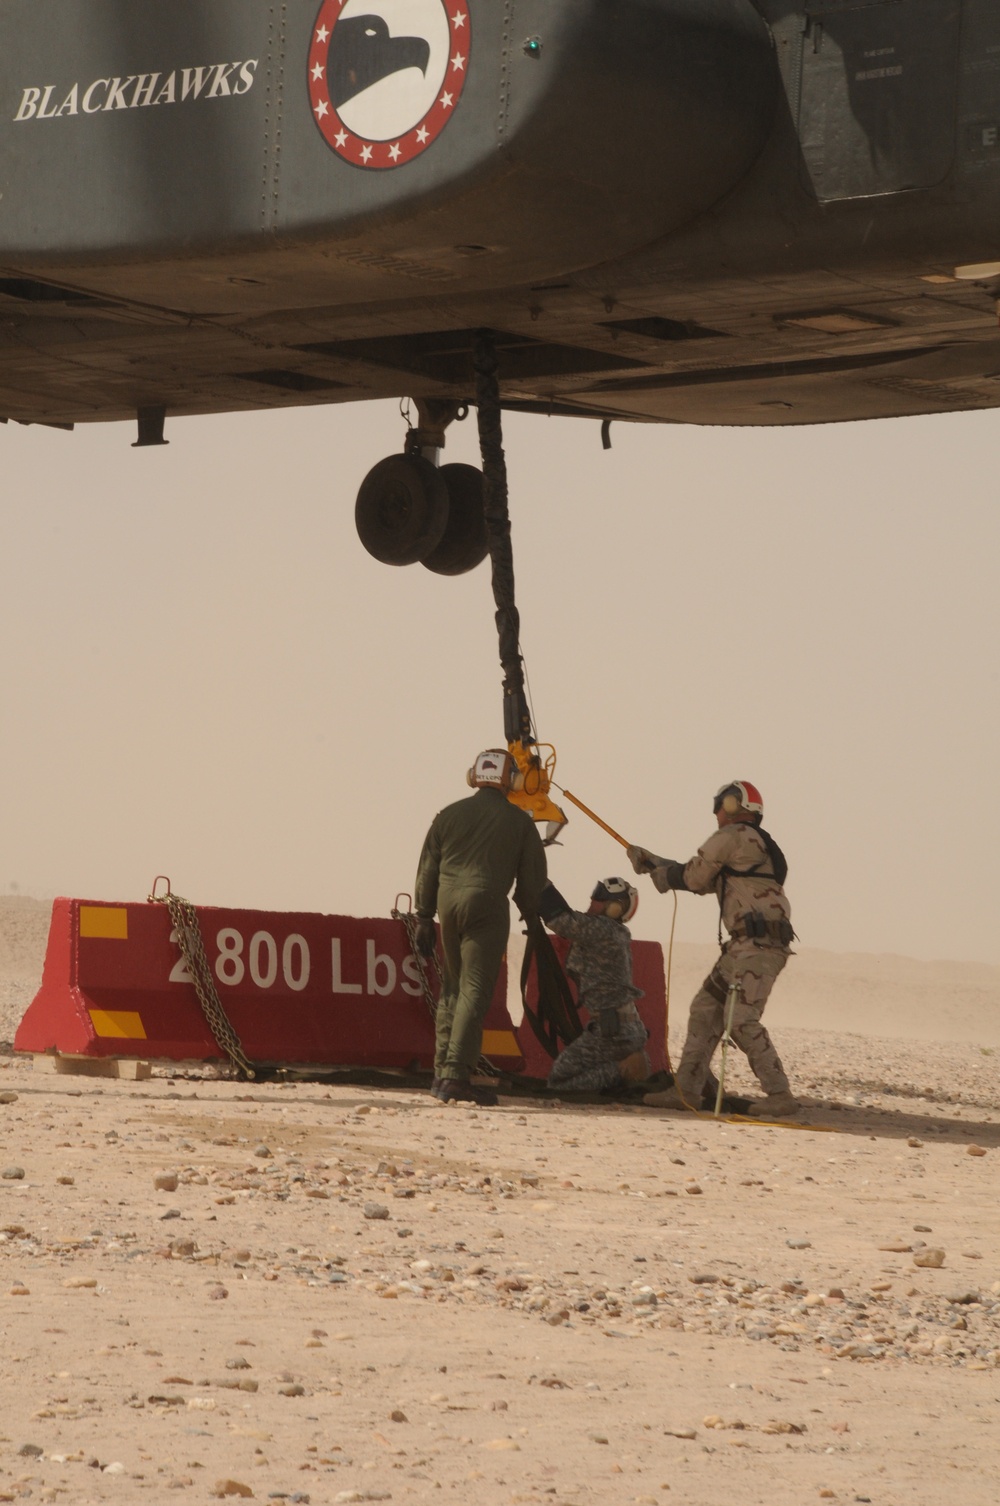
[
  {"x": 610, "y": 1051},
  {"x": 745, "y": 868}
]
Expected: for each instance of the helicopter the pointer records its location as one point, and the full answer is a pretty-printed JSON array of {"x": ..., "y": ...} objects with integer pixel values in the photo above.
[
  {"x": 697, "y": 211},
  {"x": 754, "y": 212}
]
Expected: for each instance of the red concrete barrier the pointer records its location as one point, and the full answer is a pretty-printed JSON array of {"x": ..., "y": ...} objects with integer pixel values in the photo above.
[
  {"x": 310, "y": 989},
  {"x": 647, "y": 973}
]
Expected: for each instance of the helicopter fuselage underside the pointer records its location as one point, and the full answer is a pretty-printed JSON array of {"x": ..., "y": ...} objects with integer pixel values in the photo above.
[{"x": 703, "y": 211}]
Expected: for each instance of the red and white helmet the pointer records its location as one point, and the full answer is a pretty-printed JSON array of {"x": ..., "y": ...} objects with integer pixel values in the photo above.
[
  {"x": 492, "y": 770},
  {"x": 739, "y": 796}
]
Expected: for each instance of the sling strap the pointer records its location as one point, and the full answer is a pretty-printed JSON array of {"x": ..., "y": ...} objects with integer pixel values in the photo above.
[{"x": 557, "y": 1018}]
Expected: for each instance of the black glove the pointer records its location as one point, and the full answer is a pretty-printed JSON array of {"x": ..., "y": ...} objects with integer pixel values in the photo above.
[
  {"x": 551, "y": 903},
  {"x": 425, "y": 936}
]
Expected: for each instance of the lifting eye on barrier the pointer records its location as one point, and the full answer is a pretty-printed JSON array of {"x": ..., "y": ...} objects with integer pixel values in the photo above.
[
  {"x": 533, "y": 47},
  {"x": 153, "y": 897}
]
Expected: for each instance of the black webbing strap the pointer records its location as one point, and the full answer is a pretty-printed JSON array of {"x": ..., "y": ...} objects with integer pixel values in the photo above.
[{"x": 556, "y": 1021}]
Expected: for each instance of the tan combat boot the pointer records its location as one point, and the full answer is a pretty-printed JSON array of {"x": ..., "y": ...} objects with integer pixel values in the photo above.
[
  {"x": 670, "y": 1098},
  {"x": 774, "y": 1106}
]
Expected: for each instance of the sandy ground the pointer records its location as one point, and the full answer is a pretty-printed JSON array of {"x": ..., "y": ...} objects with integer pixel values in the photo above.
[{"x": 356, "y": 1295}]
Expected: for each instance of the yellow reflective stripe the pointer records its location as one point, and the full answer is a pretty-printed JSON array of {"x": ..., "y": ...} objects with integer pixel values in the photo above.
[
  {"x": 120, "y": 1024},
  {"x": 107, "y": 921},
  {"x": 500, "y": 1043}
]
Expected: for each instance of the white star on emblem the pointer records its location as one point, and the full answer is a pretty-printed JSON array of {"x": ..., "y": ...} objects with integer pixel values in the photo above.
[
  {"x": 322, "y": 34},
  {"x": 458, "y": 63},
  {"x": 317, "y": 70},
  {"x": 458, "y": 19},
  {"x": 394, "y": 152},
  {"x": 422, "y": 134},
  {"x": 341, "y": 138},
  {"x": 321, "y": 109},
  {"x": 366, "y": 154},
  {"x": 447, "y": 100}
]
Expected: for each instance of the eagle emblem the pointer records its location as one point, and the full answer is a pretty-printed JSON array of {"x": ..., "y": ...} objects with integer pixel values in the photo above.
[{"x": 386, "y": 76}]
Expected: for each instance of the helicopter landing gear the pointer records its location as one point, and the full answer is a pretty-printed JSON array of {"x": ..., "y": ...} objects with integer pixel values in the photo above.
[
  {"x": 410, "y": 509},
  {"x": 402, "y": 509},
  {"x": 463, "y": 544}
]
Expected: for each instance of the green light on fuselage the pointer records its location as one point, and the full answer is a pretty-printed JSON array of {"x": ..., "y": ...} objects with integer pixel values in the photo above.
[{"x": 533, "y": 47}]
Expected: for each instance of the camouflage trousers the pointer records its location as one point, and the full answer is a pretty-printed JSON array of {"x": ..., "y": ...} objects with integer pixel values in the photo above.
[
  {"x": 755, "y": 970},
  {"x": 590, "y": 1063}
]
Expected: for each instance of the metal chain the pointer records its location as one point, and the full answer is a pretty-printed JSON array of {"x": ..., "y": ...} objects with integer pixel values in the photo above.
[
  {"x": 410, "y": 927},
  {"x": 484, "y": 1066},
  {"x": 185, "y": 921}
]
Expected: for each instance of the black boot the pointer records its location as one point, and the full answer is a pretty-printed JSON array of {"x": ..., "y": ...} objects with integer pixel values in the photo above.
[{"x": 450, "y": 1090}]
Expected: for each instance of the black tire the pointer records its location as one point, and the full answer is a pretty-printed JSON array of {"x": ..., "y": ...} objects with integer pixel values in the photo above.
[
  {"x": 402, "y": 509},
  {"x": 464, "y": 543}
]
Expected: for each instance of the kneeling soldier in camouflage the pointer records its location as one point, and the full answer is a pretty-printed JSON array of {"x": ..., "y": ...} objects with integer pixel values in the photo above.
[
  {"x": 610, "y": 1051},
  {"x": 745, "y": 868}
]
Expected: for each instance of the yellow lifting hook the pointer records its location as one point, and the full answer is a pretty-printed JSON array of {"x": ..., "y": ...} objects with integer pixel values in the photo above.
[
  {"x": 535, "y": 783},
  {"x": 531, "y": 791}
]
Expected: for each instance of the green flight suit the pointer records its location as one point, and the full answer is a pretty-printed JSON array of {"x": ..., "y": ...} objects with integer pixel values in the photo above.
[{"x": 475, "y": 850}]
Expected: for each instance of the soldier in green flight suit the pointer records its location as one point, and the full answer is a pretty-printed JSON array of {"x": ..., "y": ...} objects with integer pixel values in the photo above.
[{"x": 474, "y": 852}]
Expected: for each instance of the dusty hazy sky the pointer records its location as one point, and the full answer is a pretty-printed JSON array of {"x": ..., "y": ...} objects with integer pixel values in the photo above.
[{"x": 204, "y": 674}]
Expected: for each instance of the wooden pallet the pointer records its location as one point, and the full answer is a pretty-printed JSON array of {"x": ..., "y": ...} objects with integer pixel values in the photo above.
[{"x": 128, "y": 1068}]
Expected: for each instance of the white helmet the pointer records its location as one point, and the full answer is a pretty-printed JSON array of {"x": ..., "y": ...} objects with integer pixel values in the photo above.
[
  {"x": 492, "y": 770},
  {"x": 619, "y": 898}
]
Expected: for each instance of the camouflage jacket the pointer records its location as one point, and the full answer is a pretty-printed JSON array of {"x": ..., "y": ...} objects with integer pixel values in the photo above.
[
  {"x": 721, "y": 867},
  {"x": 599, "y": 961}
]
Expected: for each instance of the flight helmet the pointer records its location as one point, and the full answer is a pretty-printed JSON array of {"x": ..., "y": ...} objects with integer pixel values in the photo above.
[
  {"x": 618, "y": 896},
  {"x": 739, "y": 797},
  {"x": 492, "y": 770}
]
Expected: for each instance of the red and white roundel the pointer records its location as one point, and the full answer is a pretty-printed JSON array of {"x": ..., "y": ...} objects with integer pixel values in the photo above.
[{"x": 385, "y": 76}]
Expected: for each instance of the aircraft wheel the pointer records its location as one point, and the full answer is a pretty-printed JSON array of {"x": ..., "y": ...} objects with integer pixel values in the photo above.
[
  {"x": 402, "y": 509},
  {"x": 464, "y": 543}
]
